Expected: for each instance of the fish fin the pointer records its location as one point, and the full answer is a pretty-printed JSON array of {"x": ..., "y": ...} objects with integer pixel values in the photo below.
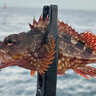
[
  {"x": 61, "y": 67},
  {"x": 91, "y": 71},
  {"x": 60, "y": 72},
  {"x": 86, "y": 71},
  {"x": 35, "y": 23},
  {"x": 48, "y": 58},
  {"x": 40, "y": 19},
  {"x": 31, "y": 26},
  {"x": 32, "y": 72},
  {"x": 90, "y": 39},
  {"x": 78, "y": 71},
  {"x": 65, "y": 28}
]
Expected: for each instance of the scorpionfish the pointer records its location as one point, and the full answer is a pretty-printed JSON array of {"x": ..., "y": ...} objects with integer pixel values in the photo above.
[{"x": 28, "y": 49}]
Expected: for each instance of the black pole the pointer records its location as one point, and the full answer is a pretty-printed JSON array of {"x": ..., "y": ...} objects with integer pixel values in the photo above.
[
  {"x": 46, "y": 84},
  {"x": 45, "y": 12}
]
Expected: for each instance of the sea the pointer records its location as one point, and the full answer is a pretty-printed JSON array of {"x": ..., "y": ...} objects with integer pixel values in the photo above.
[{"x": 16, "y": 81}]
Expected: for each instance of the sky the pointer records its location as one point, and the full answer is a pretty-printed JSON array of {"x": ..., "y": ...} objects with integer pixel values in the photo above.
[{"x": 62, "y": 4}]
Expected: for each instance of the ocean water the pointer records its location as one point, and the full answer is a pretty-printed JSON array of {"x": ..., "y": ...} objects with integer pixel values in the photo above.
[{"x": 16, "y": 81}]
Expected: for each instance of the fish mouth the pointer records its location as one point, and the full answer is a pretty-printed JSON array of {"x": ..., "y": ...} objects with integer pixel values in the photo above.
[{"x": 7, "y": 60}]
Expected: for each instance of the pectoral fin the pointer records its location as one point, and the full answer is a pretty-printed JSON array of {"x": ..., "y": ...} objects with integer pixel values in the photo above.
[
  {"x": 32, "y": 72},
  {"x": 44, "y": 63}
]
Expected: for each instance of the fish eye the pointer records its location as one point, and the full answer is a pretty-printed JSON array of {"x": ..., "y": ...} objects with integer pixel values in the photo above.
[{"x": 10, "y": 42}]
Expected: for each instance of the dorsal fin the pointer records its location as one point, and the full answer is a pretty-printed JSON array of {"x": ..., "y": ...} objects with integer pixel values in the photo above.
[
  {"x": 35, "y": 23},
  {"x": 62, "y": 27},
  {"x": 40, "y": 19},
  {"x": 87, "y": 37},
  {"x": 90, "y": 39},
  {"x": 65, "y": 28},
  {"x": 31, "y": 26}
]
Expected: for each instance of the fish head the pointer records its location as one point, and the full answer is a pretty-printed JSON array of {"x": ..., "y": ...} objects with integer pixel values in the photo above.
[{"x": 18, "y": 46}]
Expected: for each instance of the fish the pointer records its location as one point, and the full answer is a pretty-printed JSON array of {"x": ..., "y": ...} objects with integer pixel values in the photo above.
[{"x": 76, "y": 51}]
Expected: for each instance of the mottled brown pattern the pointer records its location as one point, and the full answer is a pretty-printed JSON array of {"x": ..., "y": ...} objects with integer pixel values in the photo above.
[{"x": 28, "y": 50}]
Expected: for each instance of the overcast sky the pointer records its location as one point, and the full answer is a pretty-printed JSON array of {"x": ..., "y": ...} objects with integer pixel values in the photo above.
[{"x": 65, "y": 4}]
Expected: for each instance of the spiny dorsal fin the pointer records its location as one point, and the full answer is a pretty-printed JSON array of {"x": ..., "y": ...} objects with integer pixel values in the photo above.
[
  {"x": 31, "y": 26},
  {"x": 40, "y": 19},
  {"x": 35, "y": 23},
  {"x": 87, "y": 37},
  {"x": 65, "y": 28},
  {"x": 62, "y": 27}
]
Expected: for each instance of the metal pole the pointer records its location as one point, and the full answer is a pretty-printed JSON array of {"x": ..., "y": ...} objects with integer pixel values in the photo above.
[{"x": 46, "y": 84}]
